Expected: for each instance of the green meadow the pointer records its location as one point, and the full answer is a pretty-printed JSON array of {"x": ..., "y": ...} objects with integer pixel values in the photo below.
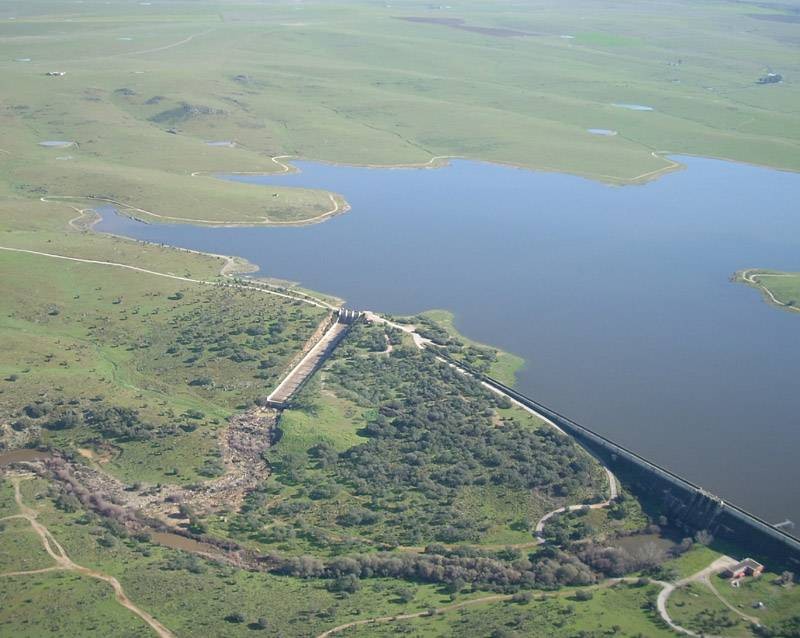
[
  {"x": 622, "y": 610},
  {"x": 183, "y": 356},
  {"x": 148, "y": 85}
]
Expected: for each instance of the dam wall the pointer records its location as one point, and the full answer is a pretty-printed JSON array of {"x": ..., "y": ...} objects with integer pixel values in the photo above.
[
  {"x": 686, "y": 505},
  {"x": 342, "y": 320}
]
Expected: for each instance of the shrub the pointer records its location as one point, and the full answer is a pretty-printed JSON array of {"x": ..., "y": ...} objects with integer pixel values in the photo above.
[
  {"x": 235, "y": 618},
  {"x": 348, "y": 584}
]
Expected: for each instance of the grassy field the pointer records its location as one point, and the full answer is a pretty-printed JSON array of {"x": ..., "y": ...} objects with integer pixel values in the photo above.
[
  {"x": 65, "y": 604},
  {"x": 695, "y": 607},
  {"x": 190, "y": 601},
  {"x": 22, "y": 549},
  {"x": 89, "y": 335},
  {"x": 780, "y": 600},
  {"x": 194, "y": 597},
  {"x": 7, "y": 504},
  {"x": 616, "y": 611},
  {"x": 693, "y": 561},
  {"x": 199, "y": 597},
  {"x": 183, "y": 356},
  {"x": 148, "y": 86}
]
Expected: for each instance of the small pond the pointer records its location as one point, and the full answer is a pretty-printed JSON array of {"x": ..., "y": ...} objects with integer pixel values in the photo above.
[
  {"x": 56, "y": 144},
  {"x": 634, "y": 107}
]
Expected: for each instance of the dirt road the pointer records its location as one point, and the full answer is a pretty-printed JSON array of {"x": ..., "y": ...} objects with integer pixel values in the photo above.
[
  {"x": 701, "y": 576},
  {"x": 64, "y": 562}
]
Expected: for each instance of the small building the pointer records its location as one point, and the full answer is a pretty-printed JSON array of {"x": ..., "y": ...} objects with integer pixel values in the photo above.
[{"x": 747, "y": 567}]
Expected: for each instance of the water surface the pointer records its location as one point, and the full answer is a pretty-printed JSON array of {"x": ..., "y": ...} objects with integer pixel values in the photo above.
[
  {"x": 56, "y": 144},
  {"x": 618, "y": 297}
]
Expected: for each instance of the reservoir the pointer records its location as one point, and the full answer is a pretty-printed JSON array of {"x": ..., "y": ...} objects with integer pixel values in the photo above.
[{"x": 618, "y": 298}]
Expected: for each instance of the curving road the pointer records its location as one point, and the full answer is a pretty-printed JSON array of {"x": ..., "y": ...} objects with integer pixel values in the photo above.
[
  {"x": 702, "y": 576},
  {"x": 304, "y": 298}
]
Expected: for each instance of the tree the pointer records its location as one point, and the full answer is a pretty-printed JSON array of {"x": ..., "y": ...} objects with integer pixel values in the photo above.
[
  {"x": 455, "y": 586},
  {"x": 347, "y": 584},
  {"x": 649, "y": 555},
  {"x": 235, "y": 617}
]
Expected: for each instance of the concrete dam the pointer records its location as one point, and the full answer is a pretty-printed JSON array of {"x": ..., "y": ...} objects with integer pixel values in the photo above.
[
  {"x": 341, "y": 323},
  {"x": 686, "y": 505}
]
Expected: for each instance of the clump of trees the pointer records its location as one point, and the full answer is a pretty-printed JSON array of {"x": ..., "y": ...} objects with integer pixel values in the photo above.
[
  {"x": 786, "y": 628},
  {"x": 179, "y": 561},
  {"x": 432, "y": 435},
  {"x": 437, "y": 565},
  {"x": 113, "y": 422},
  {"x": 123, "y": 424},
  {"x": 613, "y": 561},
  {"x": 478, "y": 357}
]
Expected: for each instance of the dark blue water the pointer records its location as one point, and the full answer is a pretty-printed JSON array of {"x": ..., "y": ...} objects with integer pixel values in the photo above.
[{"x": 618, "y": 297}]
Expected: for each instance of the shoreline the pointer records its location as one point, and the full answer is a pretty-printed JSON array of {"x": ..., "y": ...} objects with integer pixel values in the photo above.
[
  {"x": 339, "y": 202},
  {"x": 236, "y": 265},
  {"x": 442, "y": 161},
  {"x": 507, "y": 365},
  {"x": 750, "y": 276},
  {"x": 233, "y": 265}
]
